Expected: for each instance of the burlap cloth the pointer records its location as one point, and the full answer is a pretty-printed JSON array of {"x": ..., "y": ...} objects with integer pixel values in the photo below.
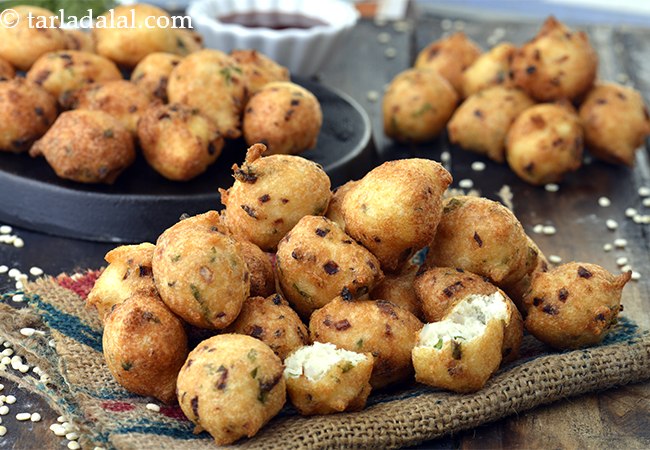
[{"x": 82, "y": 388}]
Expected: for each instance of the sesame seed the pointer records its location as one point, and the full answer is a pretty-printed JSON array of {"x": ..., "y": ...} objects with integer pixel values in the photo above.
[
  {"x": 630, "y": 212},
  {"x": 23, "y": 369},
  {"x": 459, "y": 25},
  {"x": 604, "y": 202},
  {"x": 10, "y": 399},
  {"x": 27, "y": 331},
  {"x": 19, "y": 285},
  {"x": 37, "y": 370},
  {"x": 5, "y": 360},
  {"x": 23, "y": 416},
  {"x": 551, "y": 187},
  {"x": 74, "y": 445},
  {"x": 18, "y": 298},
  {"x": 466, "y": 183},
  {"x": 372, "y": 96},
  {"x": 68, "y": 426},
  {"x": 2, "y": 386},
  {"x": 620, "y": 242},
  {"x": 390, "y": 52},
  {"x": 401, "y": 26},
  {"x": 621, "y": 261},
  {"x": 384, "y": 38},
  {"x": 638, "y": 218},
  {"x": 19, "y": 243},
  {"x": 3, "y": 269},
  {"x": 611, "y": 224},
  {"x": 72, "y": 436},
  {"x": 636, "y": 276},
  {"x": 478, "y": 166},
  {"x": 36, "y": 417},
  {"x": 446, "y": 24},
  {"x": 555, "y": 259},
  {"x": 36, "y": 271},
  {"x": 538, "y": 229},
  {"x": 626, "y": 268},
  {"x": 3, "y": 430},
  {"x": 7, "y": 344},
  {"x": 380, "y": 22},
  {"x": 44, "y": 378},
  {"x": 7, "y": 352},
  {"x": 646, "y": 202},
  {"x": 57, "y": 429},
  {"x": 445, "y": 156},
  {"x": 644, "y": 191},
  {"x": 14, "y": 273},
  {"x": 51, "y": 343},
  {"x": 4, "y": 410},
  {"x": 153, "y": 407},
  {"x": 549, "y": 230},
  {"x": 16, "y": 362},
  {"x": 5, "y": 229}
]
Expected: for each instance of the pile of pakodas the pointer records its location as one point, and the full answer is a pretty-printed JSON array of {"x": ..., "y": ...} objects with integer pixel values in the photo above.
[
  {"x": 179, "y": 106},
  {"x": 312, "y": 293},
  {"x": 536, "y": 107}
]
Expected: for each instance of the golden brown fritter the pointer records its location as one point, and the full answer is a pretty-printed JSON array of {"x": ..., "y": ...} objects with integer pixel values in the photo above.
[
  {"x": 237, "y": 375},
  {"x": 145, "y": 345},
  {"x": 127, "y": 46},
  {"x": 128, "y": 273},
  {"x": 516, "y": 291},
  {"x": 417, "y": 105},
  {"x": 120, "y": 98},
  {"x": 259, "y": 265},
  {"x": 212, "y": 82},
  {"x": 178, "y": 141},
  {"x": 7, "y": 71},
  {"x": 26, "y": 113},
  {"x": 272, "y": 321},
  {"x": 616, "y": 122},
  {"x": 283, "y": 116},
  {"x": 557, "y": 64},
  {"x": 484, "y": 237},
  {"x": 544, "y": 143},
  {"x": 86, "y": 146},
  {"x": 399, "y": 289},
  {"x": 394, "y": 210},
  {"x": 573, "y": 305},
  {"x": 79, "y": 40},
  {"x": 259, "y": 69},
  {"x": 378, "y": 327},
  {"x": 200, "y": 272},
  {"x": 316, "y": 262},
  {"x": 492, "y": 68},
  {"x": 271, "y": 194},
  {"x": 23, "y": 41},
  {"x": 322, "y": 379},
  {"x": 335, "y": 208},
  {"x": 450, "y": 57},
  {"x": 62, "y": 73},
  {"x": 152, "y": 73},
  {"x": 481, "y": 122}
]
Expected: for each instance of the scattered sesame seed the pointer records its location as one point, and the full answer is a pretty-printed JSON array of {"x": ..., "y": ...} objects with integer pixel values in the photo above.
[
  {"x": 27, "y": 331},
  {"x": 638, "y": 218},
  {"x": 19, "y": 243},
  {"x": 636, "y": 276},
  {"x": 23, "y": 369},
  {"x": 44, "y": 378},
  {"x": 459, "y": 25},
  {"x": 611, "y": 224},
  {"x": 478, "y": 166},
  {"x": 626, "y": 268},
  {"x": 621, "y": 261},
  {"x": 549, "y": 230},
  {"x": 7, "y": 352},
  {"x": 644, "y": 191},
  {"x": 401, "y": 26},
  {"x": 153, "y": 407},
  {"x": 74, "y": 445},
  {"x": 72, "y": 436},
  {"x": 620, "y": 242},
  {"x": 646, "y": 202},
  {"x": 390, "y": 52},
  {"x": 466, "y": 183},
  {"x": 2, "y": 386},
  {"x": 7, "y": 344},
  {"x": 57, "y": 429},
  {"x": 555, "y": 259},
  {"x": 14, "y": 273},
  {"x": 551, "y": 187},
  {"x": 445, "y": 156},
  {"x": 3, "y": 269},
  {"x": 4, "y": 410},
  {"x": 538, "y": 229},
  {"x": 372, "y": 96},
  {"x": 380, "y": 22},
  {"x": 16, "y": 362},
  {"x": 5, "y": 229},
  {"x": 3, "y": 367},
  {"x": 383, "y": 38},
  {"x": 3, "y": 430},
  {"x": 68, "y": 426},
  {"x": 5, "y": 360},
  {"x": 19, "y": 285},
  {"x": 37, "y": 370},
  {"x": 10, "y": 399},
  {"x": 36, "y": 271},
  {"x": 604, "y": 202},
  {"x": 630, "y": 212},
  {"x": 36, "y": 417},
  {"x": 51, "y": 343},
  {"x": 446, "y": 24}
]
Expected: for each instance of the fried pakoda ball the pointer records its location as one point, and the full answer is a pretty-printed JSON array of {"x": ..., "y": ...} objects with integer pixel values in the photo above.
[
  {"x": 283, "y": 116},
  {"x": 145, "y": 345},
  {"x": 26, "y": 113},
  {"x": 417, "y": 105},
  {"x": 79, "y": 40},
  {"x": 484, "y": 237},
  {"x": 86, "y": 146},
  {"x": 259, "y": 265},
  {"x": 149, "y": 31},
  {"x": 212, "y": 82},
  {"x": 557, "y": 64},
  {"x": 272, "y": 321},
  {"x": 462, "y": 351},
  {"x": 62, "y": 73},
  {"x": 394, "y": 210},
  {"x": 516, "y": 291},
  {"x": 573, "y": 305},
  {"x": 544, "y": 143},
  {"x": 152, "y": 73},
  {"x": 616, "y": 122},
  {"x": 378, "y": 327},
  {"x": 481, "y": 122},
  {"x": 236, "y": 375},
  {"x": 399, "y": 289},
  {"x": 120, "y": 98},
  {"x": 128, "y": 273},
  {"x": 335, "y": 209},
  {"x": 7, "y": 71},
  {"x": 492, "y": 68},
  {"x": 271, "y": 194},
  {"x": 178, "y": 141},
  {"x": 200, "y": 272},
  {"x": 440, "y": 289},
  {"x": 23, "y": 41},
  {"x": 322, "y": 379},
  {"x": 259, "y": 69},
  {"x": 450, "y": 57},
  {"x": 187, "y": 41},
  {"x": 316, "y": 262}
]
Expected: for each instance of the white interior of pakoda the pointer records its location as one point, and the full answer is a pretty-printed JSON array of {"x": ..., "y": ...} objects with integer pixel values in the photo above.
[{"x": 314, "y": 361}]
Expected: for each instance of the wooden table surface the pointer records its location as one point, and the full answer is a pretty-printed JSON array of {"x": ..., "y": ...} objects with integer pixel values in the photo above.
[{"x": 617, "y": 418}]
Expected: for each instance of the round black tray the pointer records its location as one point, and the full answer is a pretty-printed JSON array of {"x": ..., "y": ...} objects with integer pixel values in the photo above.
[{"x": 141, "y": 204}]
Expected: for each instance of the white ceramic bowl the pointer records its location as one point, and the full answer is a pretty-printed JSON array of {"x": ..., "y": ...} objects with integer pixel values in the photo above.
[{"x": 303, "y": 51}]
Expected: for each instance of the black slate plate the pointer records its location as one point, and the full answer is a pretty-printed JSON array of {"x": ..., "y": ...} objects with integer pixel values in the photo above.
[{"x": 141, "y": 203}]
